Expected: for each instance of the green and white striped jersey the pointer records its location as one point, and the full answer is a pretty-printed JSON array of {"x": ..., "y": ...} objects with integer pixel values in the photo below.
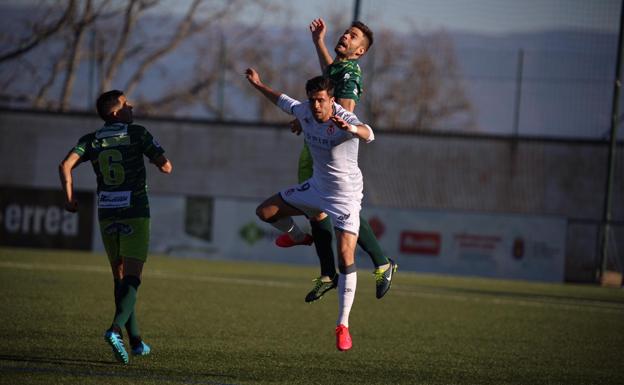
[
  {"x": 347, "y": 78},
  {"x": 116, "y": 154}
]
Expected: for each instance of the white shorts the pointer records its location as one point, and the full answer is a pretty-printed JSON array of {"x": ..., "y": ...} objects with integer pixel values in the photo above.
[{"x": 344, "y": 213}]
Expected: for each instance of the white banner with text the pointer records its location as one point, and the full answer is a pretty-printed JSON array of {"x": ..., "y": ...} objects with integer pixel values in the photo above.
[{"x": 489, "y": 245}]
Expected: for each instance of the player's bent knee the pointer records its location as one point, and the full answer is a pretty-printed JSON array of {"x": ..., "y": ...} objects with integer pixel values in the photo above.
[
  {"x": 132, "y": 280},
  {"x": 319, "y": 217},
  {"x": 264, "y": 213}
]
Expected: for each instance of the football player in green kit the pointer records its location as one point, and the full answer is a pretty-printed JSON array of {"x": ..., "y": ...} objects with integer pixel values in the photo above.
[
  {"x": 116, "y": 153},
  {"x": 346, "y": 74}
]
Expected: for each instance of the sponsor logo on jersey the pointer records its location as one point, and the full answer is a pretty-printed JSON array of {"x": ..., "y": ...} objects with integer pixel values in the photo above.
[
  {"x": 114, "y": 199},
  {"x": 118, "y": 228},
  {"x": 317, "y": 141},
  {"x": 289, "y": 191},
  {"x": 114, "y": 141}
]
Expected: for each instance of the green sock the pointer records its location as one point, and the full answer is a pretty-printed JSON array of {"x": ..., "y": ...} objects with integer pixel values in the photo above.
[
  {"x": 322, "y": 233},
  {"x": 132, "y": 326},
  {"x": 368, "y": 242},
  {"x": 126, "y": 298}
]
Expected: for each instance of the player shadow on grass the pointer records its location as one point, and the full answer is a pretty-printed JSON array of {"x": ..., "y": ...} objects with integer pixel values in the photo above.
[
  {"x": 55, "y": 360},
  {"x": 156, "y": 374}
]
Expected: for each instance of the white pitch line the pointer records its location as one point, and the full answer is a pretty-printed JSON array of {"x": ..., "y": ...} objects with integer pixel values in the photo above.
[
  {"x": 585, "y": 306},
  {"x": 54, "y": 267},
  {"x": 151, "y": 273}
]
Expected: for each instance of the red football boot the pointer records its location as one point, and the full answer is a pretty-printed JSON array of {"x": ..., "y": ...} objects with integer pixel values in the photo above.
[
  {"x": 284, "y": 240},
  {"x": 343, "y": 338}
]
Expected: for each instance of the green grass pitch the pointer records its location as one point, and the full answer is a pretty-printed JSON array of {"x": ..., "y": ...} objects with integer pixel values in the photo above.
[{"x": 219, "y": 322}]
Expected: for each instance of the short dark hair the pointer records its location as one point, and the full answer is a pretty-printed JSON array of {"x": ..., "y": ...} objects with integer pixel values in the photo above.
[
  {"x": 320, "y": 83},
  {"x": 365, "y": 30},
  {"x": 107, "y": 102}
]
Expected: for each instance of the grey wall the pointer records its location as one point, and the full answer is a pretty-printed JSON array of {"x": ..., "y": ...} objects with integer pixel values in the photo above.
[{"x": 563, "y": 178}]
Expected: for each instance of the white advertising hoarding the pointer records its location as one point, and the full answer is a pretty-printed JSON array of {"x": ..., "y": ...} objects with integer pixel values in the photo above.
[{"x": 490, "y": 245}]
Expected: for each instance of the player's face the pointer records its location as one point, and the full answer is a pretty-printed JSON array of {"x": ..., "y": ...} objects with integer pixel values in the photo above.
[
  {"x": 322, "y": 105},
  {"x": 352, "y": 44},
  {"x": 124, "y": 113}
]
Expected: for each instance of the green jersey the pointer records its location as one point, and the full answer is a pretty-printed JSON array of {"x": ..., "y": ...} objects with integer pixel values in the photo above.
[
  {"x": 347, "y": 78},
  {"x": 116, "y": 154}
]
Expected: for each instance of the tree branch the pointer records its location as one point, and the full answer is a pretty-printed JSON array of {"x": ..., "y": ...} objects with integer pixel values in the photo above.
[
  {"x": 39, "y": 37},
  {"x": 119, "y": 51},
  {"x": 185, "y": 29}
]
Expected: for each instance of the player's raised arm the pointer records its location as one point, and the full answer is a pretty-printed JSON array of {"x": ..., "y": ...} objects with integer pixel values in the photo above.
[
  {"x": 318, "y": 30},
  {"x": 362, "y": 131},
  {"x": 65, "y": 173},
  {"x": 254, "y": 79}
]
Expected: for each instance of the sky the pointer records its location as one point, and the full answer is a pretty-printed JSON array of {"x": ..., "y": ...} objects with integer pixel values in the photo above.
[
  {"x": 494, "y": 17},
  {"x": 477, "y": 16}
]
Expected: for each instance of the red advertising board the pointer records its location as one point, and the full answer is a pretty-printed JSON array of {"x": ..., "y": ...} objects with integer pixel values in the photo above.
[{"x": 415, "y": 242}]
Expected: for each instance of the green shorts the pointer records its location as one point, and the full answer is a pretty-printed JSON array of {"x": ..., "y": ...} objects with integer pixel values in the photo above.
[
  {"x": 126, "y": 238},
  {"x": 305, "y": 164}
]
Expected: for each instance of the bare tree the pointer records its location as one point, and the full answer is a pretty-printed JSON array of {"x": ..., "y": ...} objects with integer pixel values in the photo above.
[
  {"x": 74, "y": 44},
  {"x": 40, "y": 100},
  {"x": 122, "y": 53},
  {"x": 178, "y": 64},
  {"x": 42, "y": 30},
  {"x": 285, "y": 58},
  {"x": 416, "y": 84}
]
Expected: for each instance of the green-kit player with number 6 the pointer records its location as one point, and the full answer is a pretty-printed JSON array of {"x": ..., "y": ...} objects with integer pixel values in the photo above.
[{"x": 116, "y": 153}]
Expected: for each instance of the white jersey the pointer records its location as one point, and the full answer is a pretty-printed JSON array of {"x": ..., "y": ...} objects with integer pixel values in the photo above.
[{"x": 334, "y": 151}]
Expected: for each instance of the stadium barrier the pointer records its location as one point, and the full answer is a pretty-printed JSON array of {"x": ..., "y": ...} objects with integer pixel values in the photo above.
[{"x": 458, "y": 173}]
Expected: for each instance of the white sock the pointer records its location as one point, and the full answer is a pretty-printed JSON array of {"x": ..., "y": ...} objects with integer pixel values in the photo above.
[
  {"x": 287, "y": 225},
  {"x": 346, "y": 295}
]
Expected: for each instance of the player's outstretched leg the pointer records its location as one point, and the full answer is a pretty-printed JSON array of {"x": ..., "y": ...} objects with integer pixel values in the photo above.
[
  {"x": 125, "y": 298},
  {"x": 384, "y": 266},
  {"x": 347, "y": 283},
  {"x": 293, "y": 235},
  {"x": 322, "y": 285},
  {"x": 322, "y": 232},
  {"x": 383, "y": 278},
  {"x": 137, "y": 346}
]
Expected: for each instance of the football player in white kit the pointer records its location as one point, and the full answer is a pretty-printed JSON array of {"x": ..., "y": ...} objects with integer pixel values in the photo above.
[{"x": 333, "y": 134}]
